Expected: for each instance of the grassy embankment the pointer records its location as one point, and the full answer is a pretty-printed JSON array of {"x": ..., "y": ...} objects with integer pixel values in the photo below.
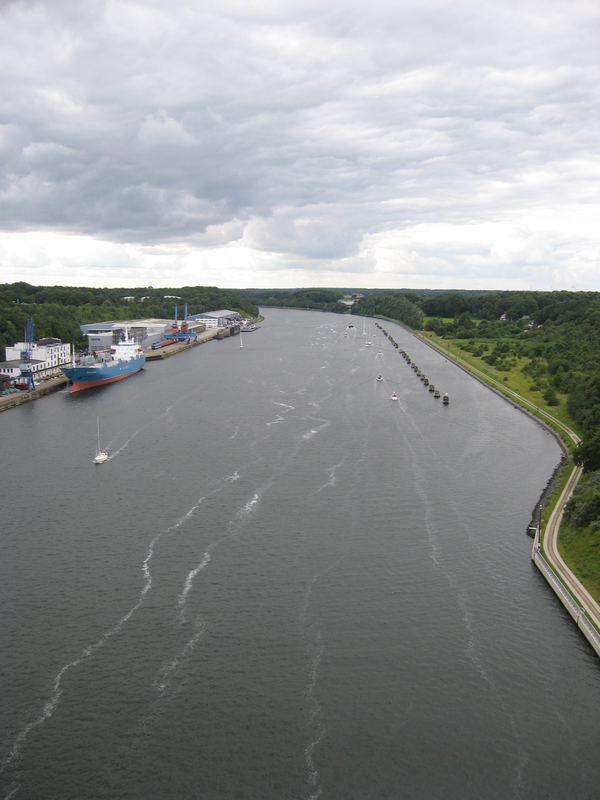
[
  {"x": 507, "y": 380},
  {"x": 579, "y": 548}
]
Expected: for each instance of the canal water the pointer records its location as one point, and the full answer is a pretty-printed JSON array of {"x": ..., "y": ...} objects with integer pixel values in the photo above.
[{"x": 283, "y": 584}]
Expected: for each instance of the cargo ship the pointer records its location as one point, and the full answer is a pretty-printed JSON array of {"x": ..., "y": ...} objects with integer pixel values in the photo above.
[{"x": 125, "y": 359}]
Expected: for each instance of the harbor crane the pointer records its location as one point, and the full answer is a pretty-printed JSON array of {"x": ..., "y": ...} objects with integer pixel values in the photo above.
[{"x": 26, "y": 366}]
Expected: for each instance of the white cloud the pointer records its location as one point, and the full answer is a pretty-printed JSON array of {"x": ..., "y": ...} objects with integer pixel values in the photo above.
[
  {"x": 160, "y": 130},
  {"x": 418, "y": 143}
]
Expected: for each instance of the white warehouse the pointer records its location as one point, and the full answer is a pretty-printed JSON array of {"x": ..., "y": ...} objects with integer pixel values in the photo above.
[{"x": 47, "y": 355}]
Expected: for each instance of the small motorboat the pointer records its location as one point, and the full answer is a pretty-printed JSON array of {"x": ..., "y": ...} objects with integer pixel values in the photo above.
[
  {"x": 379, "y": 378},
  {"x": 394, "y": 396}
]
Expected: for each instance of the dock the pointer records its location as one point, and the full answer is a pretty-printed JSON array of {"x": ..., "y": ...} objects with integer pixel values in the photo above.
[
  {"x": 42, "y": 388},
  {"x": 173, "y": 349},
  {"x": 53, "y": 384}
]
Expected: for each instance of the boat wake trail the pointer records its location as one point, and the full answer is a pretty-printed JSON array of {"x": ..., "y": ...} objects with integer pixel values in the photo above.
[
  {"x": 161, "y": 683},
  {"x": 115, "y": 453},
  {"x": 316, "y": 650},
  {"x": 280, "y": 418},
  {"x": 483, "y": 669},
  {"x": 314, "y": 720},
  {"x": 234, "y": 528},
  {"x": 187, "y": 586},
  {"x": 325, "y": 423},
  {"x": 332, "y": 478},
  {"x": 57, "y": 689}
]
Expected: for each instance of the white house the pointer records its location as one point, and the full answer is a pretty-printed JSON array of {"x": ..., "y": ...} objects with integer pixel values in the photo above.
[{"x": 47, "y": 355}]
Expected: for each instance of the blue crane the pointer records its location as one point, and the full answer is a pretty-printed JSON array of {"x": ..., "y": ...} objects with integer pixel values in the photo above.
[
  {"x": 186, "y": 335},
  {"x": 26, "y": 366}
]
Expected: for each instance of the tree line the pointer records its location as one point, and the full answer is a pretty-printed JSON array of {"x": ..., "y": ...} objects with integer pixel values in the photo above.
[
  {"x": 60, "y": 310},
  {"x": 313, "y": 299}
]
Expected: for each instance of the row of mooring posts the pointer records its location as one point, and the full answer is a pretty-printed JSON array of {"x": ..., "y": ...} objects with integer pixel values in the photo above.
[{"x": 422, "y": 377}]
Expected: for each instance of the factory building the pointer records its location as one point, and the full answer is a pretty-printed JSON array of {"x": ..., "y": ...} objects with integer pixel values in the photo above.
[
  {"x": 222, "y": 318},
  {"x": 101, "y": 335}
]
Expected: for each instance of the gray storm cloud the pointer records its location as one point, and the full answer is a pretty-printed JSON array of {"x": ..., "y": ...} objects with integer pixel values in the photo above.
[{"x": 451, "y": 143}]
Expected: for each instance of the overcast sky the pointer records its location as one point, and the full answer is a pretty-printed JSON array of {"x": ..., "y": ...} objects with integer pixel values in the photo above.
[{"x": 398, "y": 143}]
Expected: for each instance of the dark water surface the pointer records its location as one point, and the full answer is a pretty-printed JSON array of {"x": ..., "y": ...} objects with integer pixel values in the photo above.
[{"x": 284, "y": 585}]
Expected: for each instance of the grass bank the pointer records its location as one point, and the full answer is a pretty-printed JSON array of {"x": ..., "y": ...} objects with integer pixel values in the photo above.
[
  {"x": 510, "y": 381},
  {"x": 581, "y": 551}
]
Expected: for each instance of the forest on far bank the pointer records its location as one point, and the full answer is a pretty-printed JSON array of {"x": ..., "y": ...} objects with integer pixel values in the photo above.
[
  {"x": 60, "y": 310},
  {"x": 554, "y": 337}
]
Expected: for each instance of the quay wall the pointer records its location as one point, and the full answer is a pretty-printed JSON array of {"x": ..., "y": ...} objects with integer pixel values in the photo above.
[
  {"x": 45, "y": 387},
  {"x": 172, "y": 349},
  {"x": 177, "y": 347},
  {"x": 576, "y": 612}
]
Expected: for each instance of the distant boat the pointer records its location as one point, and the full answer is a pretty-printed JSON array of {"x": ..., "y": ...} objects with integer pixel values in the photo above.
[
  {"x": 446, "y": 399},
  {"x": 379, "y": 378},
  {"x": 101, "y": 455},
  {"x": 394, "y": 396},
  {"x": 436, "y": 393}
]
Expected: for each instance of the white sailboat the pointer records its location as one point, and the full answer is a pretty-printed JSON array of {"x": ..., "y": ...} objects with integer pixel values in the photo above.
[{"x": 101, "y": 455}]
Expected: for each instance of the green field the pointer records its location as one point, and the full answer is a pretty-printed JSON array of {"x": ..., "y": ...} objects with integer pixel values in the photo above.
[
  {"x": 581, "y": 551},
  {"x": 509, "y": 377}
]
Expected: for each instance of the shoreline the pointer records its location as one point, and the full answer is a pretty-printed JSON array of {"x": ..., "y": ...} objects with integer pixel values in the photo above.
[
  {"x": 56, "y": 383},
  {"x": 566, "y": 585},
  {"x": 45, "y": 387}
]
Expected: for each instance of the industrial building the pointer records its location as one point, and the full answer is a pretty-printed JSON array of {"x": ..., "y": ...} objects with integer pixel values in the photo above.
[
  {"x": 222, "y": 318},
  {"x": 47, "y": 355},
  {"x": 101, "y": 335}
]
